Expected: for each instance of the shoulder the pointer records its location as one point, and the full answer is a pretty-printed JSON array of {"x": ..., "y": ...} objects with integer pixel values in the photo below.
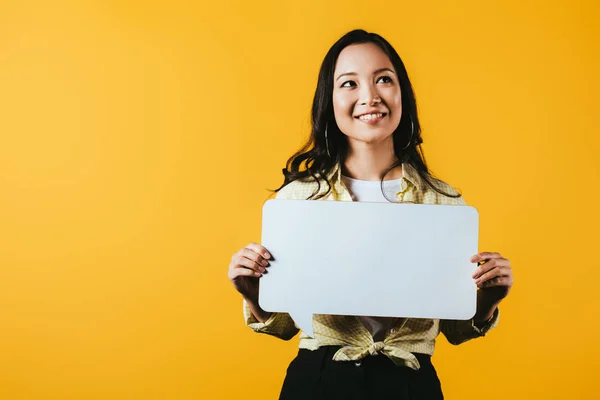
[
  {"x": 432, "y": 196},
  {"x": 425, "y": 193},
  {"x": 297, "y": 190}
]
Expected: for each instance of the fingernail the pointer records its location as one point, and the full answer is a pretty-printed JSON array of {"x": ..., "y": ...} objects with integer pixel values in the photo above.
[{"x": 267, "y": 256}]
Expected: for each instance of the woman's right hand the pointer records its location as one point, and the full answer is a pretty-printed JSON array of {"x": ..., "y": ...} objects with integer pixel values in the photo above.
[{"x": 247, "y": 266}]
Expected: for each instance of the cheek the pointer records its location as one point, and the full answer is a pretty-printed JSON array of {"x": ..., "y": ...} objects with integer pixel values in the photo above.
[
  {"x": 342, "y": 106},
  {"x": 395, "y": 102},
  {"x": 395, "y": 105}
]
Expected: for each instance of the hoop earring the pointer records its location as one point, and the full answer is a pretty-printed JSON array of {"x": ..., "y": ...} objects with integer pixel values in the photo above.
[
  {"x": 327, "y": 141},
  {"x": 412, "y": 133}
]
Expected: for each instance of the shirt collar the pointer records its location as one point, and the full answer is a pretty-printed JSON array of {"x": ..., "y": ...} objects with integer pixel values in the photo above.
[{"x": 409, "y": 173}]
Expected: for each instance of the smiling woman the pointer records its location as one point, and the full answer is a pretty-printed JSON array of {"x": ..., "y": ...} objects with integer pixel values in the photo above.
[{"x": 366, "y": 133}]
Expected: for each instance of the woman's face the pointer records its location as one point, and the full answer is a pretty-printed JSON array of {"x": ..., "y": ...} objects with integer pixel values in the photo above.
[{"x": 367, "y": 101}]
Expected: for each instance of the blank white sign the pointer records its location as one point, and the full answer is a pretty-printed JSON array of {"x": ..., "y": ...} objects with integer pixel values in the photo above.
[{"x": 368, "y": 259}]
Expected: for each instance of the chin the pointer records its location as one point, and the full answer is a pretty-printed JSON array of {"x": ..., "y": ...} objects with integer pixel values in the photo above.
[{"x": 371, "y": 137}]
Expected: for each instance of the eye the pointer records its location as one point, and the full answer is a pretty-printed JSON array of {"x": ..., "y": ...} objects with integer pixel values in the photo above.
[
  {"x": 385, "y": 79},
  {"x": 348, "y": 84}
]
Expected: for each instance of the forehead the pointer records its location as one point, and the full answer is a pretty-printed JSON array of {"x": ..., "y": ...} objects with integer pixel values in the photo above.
[{"x": 362, "y": 58}]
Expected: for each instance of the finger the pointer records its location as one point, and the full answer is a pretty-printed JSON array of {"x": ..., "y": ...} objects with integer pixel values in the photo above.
[
  {"x": 492, "y": 274},
  {"x": 484, "y": 256},
  {"x": 244, "y": 262},
  {"x": 498, "y": 281},
  {"x": 237, "y": 272},
  {"x": 254, "y": 256},
  {"x": 483, "y": 268},
  {"x": 487, "y": 266},
  {"x": 257, "y": 248},
  {"x": 499, "y": 271}
]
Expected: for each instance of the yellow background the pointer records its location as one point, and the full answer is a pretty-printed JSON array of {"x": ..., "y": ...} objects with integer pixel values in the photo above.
[{"x": 138, "y": 141}]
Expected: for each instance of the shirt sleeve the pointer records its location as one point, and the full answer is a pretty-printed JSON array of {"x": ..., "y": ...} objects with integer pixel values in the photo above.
[
  {"x": 457, "y": 331},
  {"x": 280, "y": 325}
]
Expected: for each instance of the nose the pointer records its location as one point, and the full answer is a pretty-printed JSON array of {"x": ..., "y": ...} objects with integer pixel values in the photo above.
[{"x": 369, "y": 95}]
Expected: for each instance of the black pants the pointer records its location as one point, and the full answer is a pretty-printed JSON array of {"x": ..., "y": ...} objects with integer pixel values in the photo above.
[{"x": 313, "y": 375}]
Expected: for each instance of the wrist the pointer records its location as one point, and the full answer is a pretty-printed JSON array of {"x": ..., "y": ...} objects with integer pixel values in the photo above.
[
  {"x": 486, "y": 308},
  {"x": 482, "y": 322},
  {"x": 260, "y": 314}
]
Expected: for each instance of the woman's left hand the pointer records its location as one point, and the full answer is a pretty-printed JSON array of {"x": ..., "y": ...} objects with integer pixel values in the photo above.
[{"x": 493, "y": 276}]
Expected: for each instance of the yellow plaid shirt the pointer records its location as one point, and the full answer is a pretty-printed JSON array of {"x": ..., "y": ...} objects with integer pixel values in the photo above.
[{"x": 406, "y": 335}]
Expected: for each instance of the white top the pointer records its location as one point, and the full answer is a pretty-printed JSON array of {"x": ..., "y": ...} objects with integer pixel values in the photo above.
[{"x": 370, "y": 191}]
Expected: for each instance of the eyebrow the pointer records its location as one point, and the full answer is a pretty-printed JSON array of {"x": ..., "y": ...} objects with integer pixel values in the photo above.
[{"x": 374, "y": 73}]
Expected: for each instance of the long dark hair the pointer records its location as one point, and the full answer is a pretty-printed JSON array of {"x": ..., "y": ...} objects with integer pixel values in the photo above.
[{"x": 313, "y": 162}]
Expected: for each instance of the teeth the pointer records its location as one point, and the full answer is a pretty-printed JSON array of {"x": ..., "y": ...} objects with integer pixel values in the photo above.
[{"x": 368, "y": 117}]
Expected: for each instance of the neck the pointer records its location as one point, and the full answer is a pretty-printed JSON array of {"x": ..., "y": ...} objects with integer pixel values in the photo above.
[{"x": 368, "y": 161}]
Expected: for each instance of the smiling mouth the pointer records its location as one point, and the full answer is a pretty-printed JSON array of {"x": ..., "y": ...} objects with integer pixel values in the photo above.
[{"x": 374, "y": 117}]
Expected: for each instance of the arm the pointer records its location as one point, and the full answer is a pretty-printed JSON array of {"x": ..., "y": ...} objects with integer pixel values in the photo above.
[
  {"x": 486, "y": 307},
  {"x": 258, "y": 313},
  {"x": 280, "y": 325},
  {"x": 493, "y": 276},
  {"x": 458, "y": 331},
  {"x": 247, "y": 266}
]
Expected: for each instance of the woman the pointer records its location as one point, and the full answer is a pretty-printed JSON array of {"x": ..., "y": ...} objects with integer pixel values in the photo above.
[{"x": 365, "y": 146}]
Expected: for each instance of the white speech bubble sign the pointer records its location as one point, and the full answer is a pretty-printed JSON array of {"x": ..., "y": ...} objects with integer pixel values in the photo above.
[{"x": 368, "y": 259}]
